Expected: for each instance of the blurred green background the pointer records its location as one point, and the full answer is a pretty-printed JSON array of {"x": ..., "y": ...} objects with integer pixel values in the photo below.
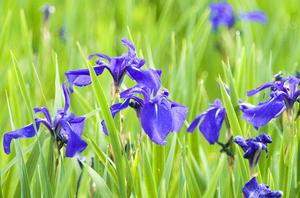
[{"x": 172, "y": 35}]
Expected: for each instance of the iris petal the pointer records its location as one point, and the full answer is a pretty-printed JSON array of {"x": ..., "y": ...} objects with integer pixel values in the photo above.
[
  {"x": 149, "y": 78},
  {"x": 115, "y": 109},
  {"x": 211, "y": 124},
  {"x": 263, "y": 113},
  {"x": 45, "y": 111},
  {"x": 253, "y": 147},
  {"x": 253, "y": 189},
  {"x": 67, "y": 98},
  {"x": 82, "y": 77},
  {"x": 195, "y": 123},
  {"x": 156, "y": 121},
  {"x": 25, "y": 132},
  {"x": 74, "y": 143},
  {"x": 179, "y": 113},
  {"x": 221, "y": 14},
  {"x": 260, "y": 88},
  {"x": 255, "y": 16}
]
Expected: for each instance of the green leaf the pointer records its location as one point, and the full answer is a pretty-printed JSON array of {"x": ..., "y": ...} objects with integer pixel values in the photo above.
[
  {"x": 168, "y": 167},
  {"x": 103, "y": 159},
  {"x": 212, "y": 185},
  {"x": 112, "y": 131},
  {"x": 99, "y": 181}
]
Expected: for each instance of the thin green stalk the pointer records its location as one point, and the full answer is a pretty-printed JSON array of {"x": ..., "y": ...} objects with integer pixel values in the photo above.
[{"x": 112, "y": 130}]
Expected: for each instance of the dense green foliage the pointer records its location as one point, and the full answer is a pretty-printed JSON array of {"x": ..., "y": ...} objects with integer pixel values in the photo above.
[{"x": 172, "y": 35}]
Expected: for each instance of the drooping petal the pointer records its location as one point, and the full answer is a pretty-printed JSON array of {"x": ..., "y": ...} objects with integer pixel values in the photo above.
[
  {"x": 253, "y": 189},
  {"x": 255, "y": 16},
  {"x": 156, "y": 121},
  {"x": 25, "y": 132},
  {"x": 179, "y": 113},
  {"x": 82, "y": 77},
  {"x": 211, "y": 124},
  {"x": 149, "y": 78},
  {"x": 260, "y": 88},
  {"x": 264, "y": 112},
  {"x": 116, "y": 108},
  {"x": 195, "y": 122},
  {"x": 75, "y": 145},
  {"x": 77, "y": 124}
]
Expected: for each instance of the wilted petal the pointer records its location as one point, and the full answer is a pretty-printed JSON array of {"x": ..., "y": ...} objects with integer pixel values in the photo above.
[
  {"x": 256, "y": 16},
  {"x": 253, "y": 189},
  {"x": 25, "y": 132},
  {"x": 156, "y": 121},
  {"x": 264, "y": 112}
]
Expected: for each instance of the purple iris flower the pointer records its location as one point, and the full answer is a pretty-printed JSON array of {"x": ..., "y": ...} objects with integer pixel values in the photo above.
[
  {"x": 253, "y": 189},
  {"x": 158, "y": 115},
  {"x": 284, "y": 94},
  {"x": 222, "y": 14},
  {"x": 212, "y": 121},
  {"x": 65, "y": 128},
  {"x": 253, "y": 147},
  {"x": 117, "y": 66}
]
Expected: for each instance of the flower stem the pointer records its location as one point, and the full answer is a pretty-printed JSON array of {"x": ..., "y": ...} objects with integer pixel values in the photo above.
[{"x": 288, "y": 149}]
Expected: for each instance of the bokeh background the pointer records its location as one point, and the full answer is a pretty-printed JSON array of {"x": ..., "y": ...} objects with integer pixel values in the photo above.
[{"x": 174, "y": 36}]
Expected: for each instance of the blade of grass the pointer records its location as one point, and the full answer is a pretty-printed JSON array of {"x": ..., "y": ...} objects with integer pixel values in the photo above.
[
  {"x": 100, "y": 183},
  {"x": 113, "y": 134},
  {"x": 212, "y": 185},
  {"x": 103, "y": 159}
]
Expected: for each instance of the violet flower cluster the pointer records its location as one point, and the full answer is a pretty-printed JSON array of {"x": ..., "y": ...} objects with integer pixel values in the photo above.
[
  {"x": 65, "y": 128},
  {"x": 117, "y": 66},
  {"x": 253, "y": 147},
  {"x": 283, "y": 94},
  {"x": 158, "y": 115},
  {"x": 252, "y": 150},
  {"x": 253, "y": 189},
  {"x": 222, "y": 14}
]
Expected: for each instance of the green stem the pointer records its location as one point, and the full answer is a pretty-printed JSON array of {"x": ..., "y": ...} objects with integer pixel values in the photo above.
[
  {"x": 158, "y": 162},
  {"x": 288, "y": 149}
]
